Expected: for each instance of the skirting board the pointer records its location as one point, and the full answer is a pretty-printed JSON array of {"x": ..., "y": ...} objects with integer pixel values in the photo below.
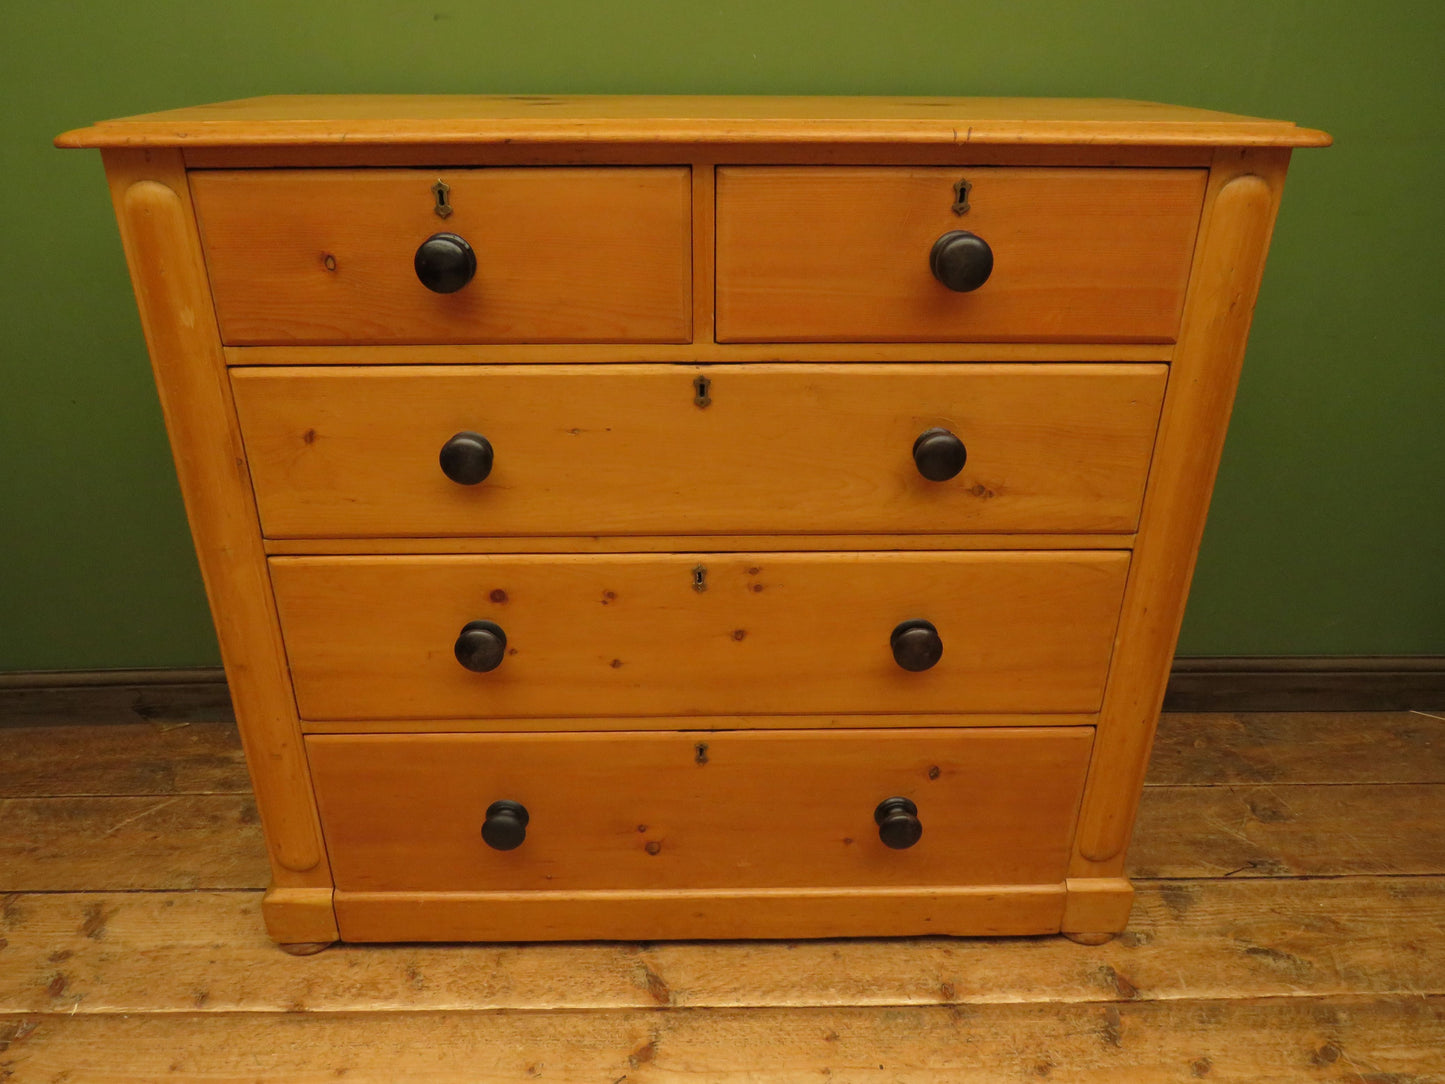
[
  {"x": 1283, "y": 683},
  {"x": 1308, "y": 683},
  {"x": 61, "y": 697}
]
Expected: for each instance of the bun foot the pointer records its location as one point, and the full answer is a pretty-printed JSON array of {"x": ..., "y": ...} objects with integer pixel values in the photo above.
[
  {"x": 305, "y": 948},
  {"x": 1090, "y": 938}
]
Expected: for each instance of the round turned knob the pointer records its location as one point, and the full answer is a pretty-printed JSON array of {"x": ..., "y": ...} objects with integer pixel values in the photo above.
[
  {"x": 939, "y": 455},
  {"x": 960, "y": 260},
  {"x": 445, "y": 263},
  {"x": 506, "y": 825},
  {"x": 898, "y": 824},
  {"x": 916, "y": 645},
  {"x": 481, "y": 646},
  {"x": 467, "y": 458}
]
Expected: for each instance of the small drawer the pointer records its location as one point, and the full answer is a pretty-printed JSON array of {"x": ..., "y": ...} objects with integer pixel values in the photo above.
[
  {"x": 698, "y": 811},
  {"x": 697, "y": 634},
  {"x": 560, "y": 255},
  {"x": 830, "y": 254},
  {"x": 768, "y": 449}
]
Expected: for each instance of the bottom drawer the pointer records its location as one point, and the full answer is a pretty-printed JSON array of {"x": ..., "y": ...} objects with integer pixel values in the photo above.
[{"x": 698, "y": 810}]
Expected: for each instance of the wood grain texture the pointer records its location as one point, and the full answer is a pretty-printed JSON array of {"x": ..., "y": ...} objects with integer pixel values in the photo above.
[
  {"x": 729, "y": 810},
  {"x": 699, "y": 913},
  {"x": 1240, "y": 206},
  {"x": 701, "y": 155},
  {"x": 441, "y": 119},
  {"x": 702, "y": 543},
  {"x": 372, "y": 637},
  {"x": 136, "y": 844},
  {"x": 1248, "y": 979},
  {"x": 213, "y": 841},
  {"x": 1198, "y": 749},
  {"x": 1289, "y": 831},
  {"x": 1265, "y": 1042},
  {"x": 780, "y": 449},
  {"x": 1212, "y": 940},
  {"x": 1308, "y": 683},
  {"x": 1096, "y": 907},
  {"x": 157, "y": 226},
  {"x": 563, "y": 255},
  {"x": 697, "y": 725},
  {"x": 203, "y": 697},
  {"x": 122, "y": 759},
  {"x": 81, "y": 697},
  {"x": 1292, "y": 747},
  {"x": 1093, "y": 210},
  {"x": 300, "y": 916},
  {"x": 704, "y": 241},
  {"x": 835, "y": 254},
  {"x": 699, "y": 351}
]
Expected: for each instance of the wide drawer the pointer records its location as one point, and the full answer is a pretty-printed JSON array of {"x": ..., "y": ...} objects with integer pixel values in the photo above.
[
  {"x": 830, "y": 254},
  {"x": 602, "y": 449},
  {"x": 562, "y": 255},
  {"x": 696, "y": 634},
  {"x": 697, "y": 811}
]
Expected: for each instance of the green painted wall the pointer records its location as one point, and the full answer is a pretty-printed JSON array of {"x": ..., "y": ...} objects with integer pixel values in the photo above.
[{"x": 1327, "y": 534}]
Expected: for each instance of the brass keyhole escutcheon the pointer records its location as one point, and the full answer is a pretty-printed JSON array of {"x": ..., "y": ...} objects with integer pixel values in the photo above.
[
  {"x": 961, "y": 189},
  {"x": 442, "y": 190}
]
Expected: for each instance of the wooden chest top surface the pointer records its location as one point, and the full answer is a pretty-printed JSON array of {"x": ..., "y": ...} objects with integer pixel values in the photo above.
[{"x": 319, "y": 119}]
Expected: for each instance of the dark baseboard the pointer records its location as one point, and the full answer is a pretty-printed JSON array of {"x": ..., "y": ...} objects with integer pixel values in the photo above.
[
  {"x": 61, "y": 697},
  {"x": 1293, "y": 683},
  {"x": 1308, "y": 683}
]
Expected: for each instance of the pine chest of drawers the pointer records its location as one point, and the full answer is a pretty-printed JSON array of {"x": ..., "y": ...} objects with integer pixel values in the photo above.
[{"x": 695, "y": 517}]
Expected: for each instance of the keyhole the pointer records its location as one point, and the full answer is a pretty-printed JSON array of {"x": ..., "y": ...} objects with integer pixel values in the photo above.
[
  {"x": 441, "y": 190},
  {"x": 961, "y": 189},
  {"x": 699, "y": 578},
  {"x": 700, "y": 387}
]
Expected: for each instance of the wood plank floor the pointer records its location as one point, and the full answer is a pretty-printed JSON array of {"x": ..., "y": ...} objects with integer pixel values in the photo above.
[{"x": 1290, "y": 926}]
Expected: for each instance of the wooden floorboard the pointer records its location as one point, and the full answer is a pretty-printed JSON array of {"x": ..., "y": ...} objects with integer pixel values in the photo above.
[
  {"x": 1289, "y": 926},
  {"x": 1314, "y": 747},
  {"x": 1298, "y": 830},
  {"x": 122, "y": 759},
  {"x": 210, "y": 841},
  {"x": 1377, "y": 1040},
  {"x": 1207, "y": 940},
  {"x": 127, "y": 844}
]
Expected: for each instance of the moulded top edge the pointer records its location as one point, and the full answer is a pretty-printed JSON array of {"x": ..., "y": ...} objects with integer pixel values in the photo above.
[{"x": 329, "y": 120}]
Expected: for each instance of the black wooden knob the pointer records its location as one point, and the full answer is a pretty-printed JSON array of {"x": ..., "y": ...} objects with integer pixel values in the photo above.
[
  {"x": 961, "y": 260},
  {"x": 467, "y": 458},
  {"x": 506, "y": 825},
  {"x": 916, "y": 645},
  {"x": 939, "y": 455},
  {"x": 898, "y": 824},
  {"x": 481, "y": 646},
  {"x": 445, "y": 263}
]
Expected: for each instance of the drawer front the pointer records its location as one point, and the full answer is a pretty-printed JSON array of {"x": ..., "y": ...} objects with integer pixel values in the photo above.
[
  {"x": 697, "y": 811},
  {"x": 590, "y": 449},
  {"x": 697, "y": 634},
  {"x": 830, "y": 254},
  {"x": 562, "y": 255}
]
